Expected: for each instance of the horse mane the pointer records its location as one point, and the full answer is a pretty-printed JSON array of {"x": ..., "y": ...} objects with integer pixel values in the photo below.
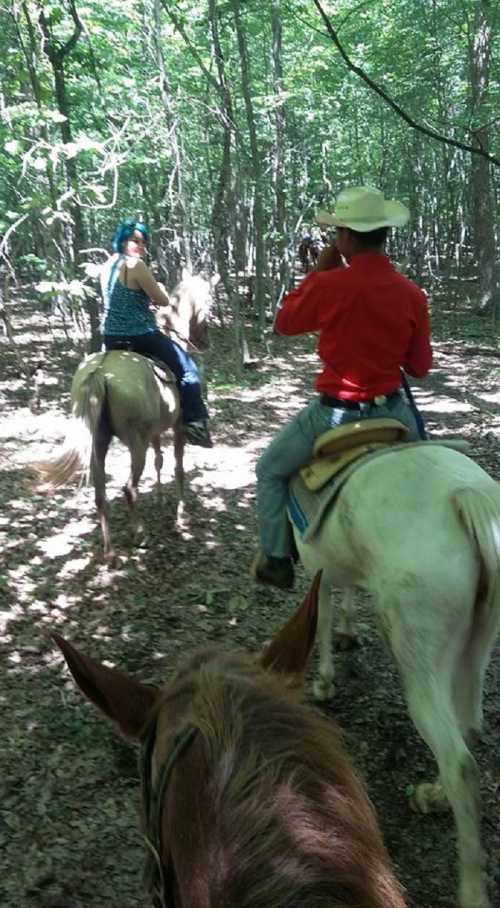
[
  {"x": 280, "y": 818},
  {"x": 190, "y": 302}
]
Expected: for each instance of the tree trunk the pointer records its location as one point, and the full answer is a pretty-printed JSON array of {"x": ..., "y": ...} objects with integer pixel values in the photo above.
[
  {"x": 483, "y": 218},
  {"x": 281, "y": 240},
  {"x": 56, "y": 54},
  {"x": 223, "y": 190},
  {"x": 256, "y": 167},
  {"x": 174, "y": 195}
]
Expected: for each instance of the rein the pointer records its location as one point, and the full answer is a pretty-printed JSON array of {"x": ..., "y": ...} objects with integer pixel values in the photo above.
[
  {"x": 185, "y": 339},
  {"x": 155, "y": 872}
]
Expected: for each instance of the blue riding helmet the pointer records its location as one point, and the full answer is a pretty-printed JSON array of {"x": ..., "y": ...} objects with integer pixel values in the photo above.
[{"x": 125, "y": 230}]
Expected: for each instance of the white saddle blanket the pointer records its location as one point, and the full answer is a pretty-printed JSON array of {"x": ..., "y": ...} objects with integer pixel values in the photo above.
[{"x": 306, "y": 509}]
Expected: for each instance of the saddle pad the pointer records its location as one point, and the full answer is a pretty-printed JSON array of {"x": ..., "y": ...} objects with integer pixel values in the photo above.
[{"x": 306, "y": 509}]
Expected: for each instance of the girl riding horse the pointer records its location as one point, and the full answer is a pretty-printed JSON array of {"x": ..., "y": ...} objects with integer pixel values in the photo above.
[{"x": 128, "y": 288}]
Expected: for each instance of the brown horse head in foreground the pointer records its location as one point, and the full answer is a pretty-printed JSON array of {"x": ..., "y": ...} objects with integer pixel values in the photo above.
[{"x": 249, "y": 798}]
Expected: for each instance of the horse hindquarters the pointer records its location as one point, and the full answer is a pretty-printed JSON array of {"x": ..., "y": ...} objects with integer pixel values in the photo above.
[
  {"x": 442, "y": 637},
  {"x": 89, "y": 404},
  {"x": 428, "y": 655},
  {"x": 428, "y": 552},
  {"x": 87, "y": 396},
  {"x": 479, "y": 511}
]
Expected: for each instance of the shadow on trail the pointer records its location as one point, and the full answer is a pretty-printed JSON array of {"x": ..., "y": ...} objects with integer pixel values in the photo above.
[{"x": 69, "y": 830}]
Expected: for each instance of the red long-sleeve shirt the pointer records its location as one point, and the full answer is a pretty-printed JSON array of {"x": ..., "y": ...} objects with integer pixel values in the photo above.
[{"x": 371, "y": 321}]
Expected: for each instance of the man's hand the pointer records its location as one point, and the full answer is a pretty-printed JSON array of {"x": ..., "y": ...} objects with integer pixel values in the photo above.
[{"x": 330, "y": 257}]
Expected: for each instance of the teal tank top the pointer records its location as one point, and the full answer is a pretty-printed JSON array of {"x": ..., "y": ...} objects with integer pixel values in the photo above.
[{"x": 126, "y": 312}]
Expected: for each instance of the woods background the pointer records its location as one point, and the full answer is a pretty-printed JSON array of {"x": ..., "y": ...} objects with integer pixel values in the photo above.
[{"x": 225, "y": 124}]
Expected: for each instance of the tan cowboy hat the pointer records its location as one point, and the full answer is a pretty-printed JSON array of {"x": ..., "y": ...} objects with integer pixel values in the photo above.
[{"x": 363, "y": 208}]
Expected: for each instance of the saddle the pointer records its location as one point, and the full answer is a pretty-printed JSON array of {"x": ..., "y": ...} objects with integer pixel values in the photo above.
[
  {"x": 341, "y": 446},
  {"x": 161, "y": 371}
]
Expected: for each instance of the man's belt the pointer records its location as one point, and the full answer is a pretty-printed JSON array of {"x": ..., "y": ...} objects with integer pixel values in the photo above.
[{"x": 380, "y": 400}]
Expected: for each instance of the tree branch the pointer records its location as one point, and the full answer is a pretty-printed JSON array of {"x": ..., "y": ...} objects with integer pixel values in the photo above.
[
  {"x": 57, "y": 52},
  {"x": 388, "y": 100},
  {"x": 176, "y": 22}
]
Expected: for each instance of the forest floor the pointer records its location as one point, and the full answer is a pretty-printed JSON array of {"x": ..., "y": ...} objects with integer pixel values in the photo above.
[{"x": 69, "y": 797}]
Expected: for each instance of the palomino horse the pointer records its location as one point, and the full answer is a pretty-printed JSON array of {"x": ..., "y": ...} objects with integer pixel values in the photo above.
[
  {"x": 249, "y": 798},
  {"x": 418, "y": 528},
  {"x": 120, "y": 393}
]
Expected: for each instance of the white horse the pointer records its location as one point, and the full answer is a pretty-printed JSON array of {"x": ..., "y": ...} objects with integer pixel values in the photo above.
[{"x": 419, "y": 530}]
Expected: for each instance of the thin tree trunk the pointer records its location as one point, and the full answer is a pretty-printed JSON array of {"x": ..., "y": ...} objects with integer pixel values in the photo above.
[
  {"x": 223, "y": 190},
  {"x": 56, "y": 53},
  {"x": 174, "y": 195},
  {"x": 30, "y": 54},
  {"x": 256, "y": 165},
  {"x": 481, "y": 184},
  {"x": 280, "y": 219}
]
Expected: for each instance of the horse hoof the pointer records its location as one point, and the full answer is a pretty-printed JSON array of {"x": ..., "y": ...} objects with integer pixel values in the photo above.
[
  {"x": 429, "y": 797},
  {"x": 323, "y": 690}
]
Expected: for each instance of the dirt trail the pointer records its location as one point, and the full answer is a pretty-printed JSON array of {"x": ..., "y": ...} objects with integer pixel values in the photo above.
[{"x": 68, "y": 785}]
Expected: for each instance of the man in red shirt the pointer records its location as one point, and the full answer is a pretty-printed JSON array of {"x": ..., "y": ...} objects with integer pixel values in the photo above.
[{"x": 372, "y": 321}]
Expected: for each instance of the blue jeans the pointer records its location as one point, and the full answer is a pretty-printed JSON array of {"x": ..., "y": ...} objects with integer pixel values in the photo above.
[
  {"x": 292, "y": 448},
  {"x": 184, "y": 368}
]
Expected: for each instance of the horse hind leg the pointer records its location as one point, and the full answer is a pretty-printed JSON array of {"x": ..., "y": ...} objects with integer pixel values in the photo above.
[
  {"x": 156, "y": 442},
  {"x": 428, "y": 665},
  {"x": 138, "y": 449},
  {"x": 98, "y": 475},
  {"x": 471, "y": 670},
  {"x": 179, "y": 473},
  {"x": 458, "y": 784}
]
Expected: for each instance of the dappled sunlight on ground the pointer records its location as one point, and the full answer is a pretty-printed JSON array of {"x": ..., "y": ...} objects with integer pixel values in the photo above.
[
  {"x": 69, "y": 785},
  {"x": 443, "y": 406}
]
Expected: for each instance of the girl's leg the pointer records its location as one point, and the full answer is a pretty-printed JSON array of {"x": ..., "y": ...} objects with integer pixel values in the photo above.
[{"x": 184, "y": 369}]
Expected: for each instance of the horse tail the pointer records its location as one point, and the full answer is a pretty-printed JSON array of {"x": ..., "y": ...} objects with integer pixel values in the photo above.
[
  {"x": 479, "y": 510},
  {"x": 89, "y": 398}
]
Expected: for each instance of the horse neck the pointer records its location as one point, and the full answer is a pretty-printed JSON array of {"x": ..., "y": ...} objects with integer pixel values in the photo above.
[{"x": 180, "y": 319}]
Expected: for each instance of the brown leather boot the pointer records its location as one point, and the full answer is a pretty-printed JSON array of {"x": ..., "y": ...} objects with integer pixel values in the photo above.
[{"x": 273, "y": 571}]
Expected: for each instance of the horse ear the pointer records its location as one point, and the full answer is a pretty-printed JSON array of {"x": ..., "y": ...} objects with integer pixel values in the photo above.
[
  {"x": 121, "y": 698},
  {"x": 291, "y": 647},
  {"x": 214, "y": 280}
]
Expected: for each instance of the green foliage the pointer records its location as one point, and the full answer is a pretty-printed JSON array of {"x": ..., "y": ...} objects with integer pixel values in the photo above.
[{"x": 142, "y": 126}]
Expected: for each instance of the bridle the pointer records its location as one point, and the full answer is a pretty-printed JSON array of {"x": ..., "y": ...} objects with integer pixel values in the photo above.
[{"x": 158, "y": 879}]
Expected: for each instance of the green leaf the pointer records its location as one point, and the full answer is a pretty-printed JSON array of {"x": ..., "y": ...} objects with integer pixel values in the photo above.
[{"x": 238, "y": 603}]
